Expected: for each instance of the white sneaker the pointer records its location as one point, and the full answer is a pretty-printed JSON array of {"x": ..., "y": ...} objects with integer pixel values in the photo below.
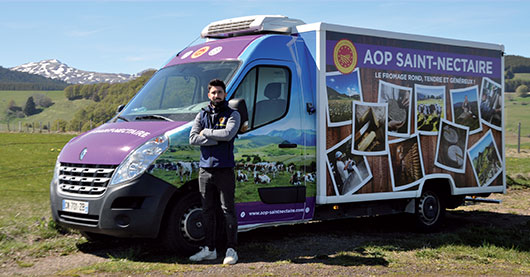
[
  {"x": 231, "y": 256},
  {"x": 204, "y": 254}
]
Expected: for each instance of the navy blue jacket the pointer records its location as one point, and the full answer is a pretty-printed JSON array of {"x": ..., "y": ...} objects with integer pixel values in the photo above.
[{"x": 219, "y": 126}]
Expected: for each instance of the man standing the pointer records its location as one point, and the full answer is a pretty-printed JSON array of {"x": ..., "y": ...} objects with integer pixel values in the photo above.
[{"x": 215, "y": 129}]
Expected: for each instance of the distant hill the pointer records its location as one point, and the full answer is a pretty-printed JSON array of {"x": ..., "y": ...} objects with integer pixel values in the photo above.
[
  {"x": 14, "y": 80},
  {"x": 55, "y": 69},
  {"x": 296, "y": 136},
  {"x": 517, "y": 64},
  {"x": 335, "y": 95}
]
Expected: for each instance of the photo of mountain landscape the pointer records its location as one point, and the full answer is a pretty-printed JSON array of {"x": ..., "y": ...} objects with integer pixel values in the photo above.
[
  {"x": 342, "y": 89},
  {"x": 485, "y": 160}
]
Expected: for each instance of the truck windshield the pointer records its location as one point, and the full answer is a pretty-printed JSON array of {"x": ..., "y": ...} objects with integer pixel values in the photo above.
[{"x": 177, "y": 93}]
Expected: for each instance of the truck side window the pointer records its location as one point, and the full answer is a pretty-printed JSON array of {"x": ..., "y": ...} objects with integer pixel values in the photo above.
[{"x": 266, "y": 92}]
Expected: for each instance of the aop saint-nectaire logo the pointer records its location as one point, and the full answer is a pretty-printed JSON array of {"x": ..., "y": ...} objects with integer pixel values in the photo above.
[{"x": 345, "y": 56}]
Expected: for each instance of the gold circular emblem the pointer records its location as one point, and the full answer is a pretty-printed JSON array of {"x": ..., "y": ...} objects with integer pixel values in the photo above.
[
  {"x": 345, "y": 56},
  {"x": 199, "y": 52}
]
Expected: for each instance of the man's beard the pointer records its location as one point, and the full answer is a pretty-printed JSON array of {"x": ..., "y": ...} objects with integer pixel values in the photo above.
[{"x": 216, "y": 104}]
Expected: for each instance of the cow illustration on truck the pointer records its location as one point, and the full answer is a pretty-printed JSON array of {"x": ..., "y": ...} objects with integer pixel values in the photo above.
[{"x": 342, "y": 122}]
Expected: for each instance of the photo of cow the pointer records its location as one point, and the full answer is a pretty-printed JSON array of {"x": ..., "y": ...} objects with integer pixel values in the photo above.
[{"x": 430, "y": 108}]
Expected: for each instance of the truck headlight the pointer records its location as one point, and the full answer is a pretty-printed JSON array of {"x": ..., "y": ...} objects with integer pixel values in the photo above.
[
  {"x": 140, "y": 159},
  {"x": 55, "y": 178}
]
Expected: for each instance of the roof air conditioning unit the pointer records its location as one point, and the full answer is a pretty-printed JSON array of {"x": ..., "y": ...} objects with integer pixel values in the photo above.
[{"x": 256, "y": 24}]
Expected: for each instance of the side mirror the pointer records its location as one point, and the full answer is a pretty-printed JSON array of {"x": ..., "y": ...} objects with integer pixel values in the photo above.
[
  {"x": 239, "y": 105},
  {"x": 120, "y": 108}
]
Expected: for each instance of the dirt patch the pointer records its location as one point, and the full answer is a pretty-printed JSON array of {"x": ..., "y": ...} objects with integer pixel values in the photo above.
[
  {"x": 50, "y": 265},
  {"x": 512, "y": 153}
]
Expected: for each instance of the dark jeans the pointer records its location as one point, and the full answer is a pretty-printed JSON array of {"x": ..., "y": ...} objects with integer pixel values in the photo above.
[{"x": 218, "y": 185}]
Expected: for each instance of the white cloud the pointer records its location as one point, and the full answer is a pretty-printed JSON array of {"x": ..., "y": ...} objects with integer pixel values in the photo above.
[{"x": 351, "y": 91}]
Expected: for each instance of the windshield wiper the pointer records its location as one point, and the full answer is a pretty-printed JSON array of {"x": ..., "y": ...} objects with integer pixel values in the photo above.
[
  {"x": 153, "y": 116},
  {"x": 122, "y": 118}
]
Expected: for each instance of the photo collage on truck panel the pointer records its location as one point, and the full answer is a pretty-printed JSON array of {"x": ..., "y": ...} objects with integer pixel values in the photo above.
[{"x": 388, "y": 113}]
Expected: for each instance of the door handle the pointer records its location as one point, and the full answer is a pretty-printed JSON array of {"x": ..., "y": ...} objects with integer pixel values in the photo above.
[{"x": 287, "y": 145}]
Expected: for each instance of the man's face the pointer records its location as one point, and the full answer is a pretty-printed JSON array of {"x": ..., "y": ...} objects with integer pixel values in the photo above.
[{"x": 216, "y": 94}]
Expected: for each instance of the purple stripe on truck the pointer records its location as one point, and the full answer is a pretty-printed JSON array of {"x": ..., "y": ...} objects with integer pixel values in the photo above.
[{"x": 225, "y": 49}]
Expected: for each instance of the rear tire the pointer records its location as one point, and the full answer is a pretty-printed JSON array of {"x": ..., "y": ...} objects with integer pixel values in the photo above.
[
  {"x": 185, "y": 231},
  {"x": 429, "y": 211}
]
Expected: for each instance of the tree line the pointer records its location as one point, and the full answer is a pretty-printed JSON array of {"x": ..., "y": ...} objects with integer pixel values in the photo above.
[
  {"x": 107, "y": 98},
  {"x": 15, "y": 80},
  {"x": 34, "y": 104},
  {"x": 515, "y": 64}
]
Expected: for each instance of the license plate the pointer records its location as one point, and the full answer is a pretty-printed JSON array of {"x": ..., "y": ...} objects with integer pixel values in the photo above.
[{"x": 75, "y": 206}]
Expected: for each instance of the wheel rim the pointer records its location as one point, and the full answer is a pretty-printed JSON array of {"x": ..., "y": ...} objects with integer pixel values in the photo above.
[
  {"x": 191, "y": 225},
  {"x": 429, "y": 209}
]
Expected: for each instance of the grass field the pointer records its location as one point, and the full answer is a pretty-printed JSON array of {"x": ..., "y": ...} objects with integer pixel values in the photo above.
[
  {"x": 517, "y": 110},
  {"x": 26, "y": 168},
  {"x": 30, "y": 241},
  {"x": 522, "y": 76},
  {"x": 61, "y": 109}
]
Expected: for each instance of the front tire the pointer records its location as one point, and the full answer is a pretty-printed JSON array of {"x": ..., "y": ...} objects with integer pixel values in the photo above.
[
  {"x": 429, "y": 211},
  {"x": 185, "y": 231}
]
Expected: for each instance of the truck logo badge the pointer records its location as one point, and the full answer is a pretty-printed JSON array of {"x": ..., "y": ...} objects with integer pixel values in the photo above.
[
  {"x": 345, "y": 56},
  {"x": 82, "y": 154},
  {"x": 199, "y": 52}
]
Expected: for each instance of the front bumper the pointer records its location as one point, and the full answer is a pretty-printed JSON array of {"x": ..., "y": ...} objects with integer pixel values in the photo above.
[{"x": 133, "y": 209}]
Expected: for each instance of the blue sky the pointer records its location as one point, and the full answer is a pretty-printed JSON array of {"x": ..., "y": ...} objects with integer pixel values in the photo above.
[
  {"x": 347, "y": 84},
  {"x": 130, "y": 36},
  {"x": 460, "y": 96}
]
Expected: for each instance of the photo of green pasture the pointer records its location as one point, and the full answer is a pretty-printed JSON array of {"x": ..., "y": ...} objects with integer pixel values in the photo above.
[{"x": 246, "y": 158}]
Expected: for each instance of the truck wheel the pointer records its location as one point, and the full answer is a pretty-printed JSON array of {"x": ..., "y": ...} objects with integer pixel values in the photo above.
[
  {"x": 429, "y": 211},
  {"x": 185, "y": 232}
]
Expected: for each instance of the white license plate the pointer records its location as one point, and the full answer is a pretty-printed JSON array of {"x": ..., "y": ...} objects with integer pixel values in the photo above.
[{"x": 75, "y": 206}]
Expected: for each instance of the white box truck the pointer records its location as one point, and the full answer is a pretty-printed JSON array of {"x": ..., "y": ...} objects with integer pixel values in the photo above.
[{"x": 342, "y": 122}]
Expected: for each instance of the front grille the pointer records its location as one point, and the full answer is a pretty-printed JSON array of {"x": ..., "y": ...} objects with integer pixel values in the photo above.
[
  {"x": 80, "y": 219},
  {"x": 229, "y": 27},
  {"x": 84, "y": 179}
]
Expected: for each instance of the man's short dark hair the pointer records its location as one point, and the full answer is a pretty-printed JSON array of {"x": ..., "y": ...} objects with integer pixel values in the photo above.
[{"x": 216, "y": 83}]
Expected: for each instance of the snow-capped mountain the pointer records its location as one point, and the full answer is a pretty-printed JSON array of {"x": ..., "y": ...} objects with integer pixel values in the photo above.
[{"x": 55, "y": 69}]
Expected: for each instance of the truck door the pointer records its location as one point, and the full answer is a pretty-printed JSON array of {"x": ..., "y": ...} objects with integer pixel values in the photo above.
[{"x": 270, "y": 165}]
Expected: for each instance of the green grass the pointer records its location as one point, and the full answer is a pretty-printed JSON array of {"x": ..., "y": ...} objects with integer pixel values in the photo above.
[
  {"x": 27, "y": 232},
  {"x": 26, "y": 168},
  {"x": 517, "y": 110},
  {"x": 522, "y": 76},
  {"x": 61, "y": 109}
]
